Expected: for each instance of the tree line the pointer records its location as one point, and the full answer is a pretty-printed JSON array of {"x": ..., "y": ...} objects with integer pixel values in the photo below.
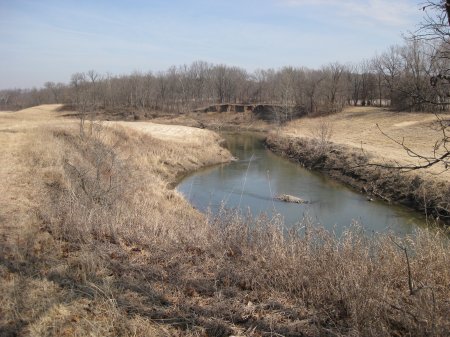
[{"x": 405, "y": 77}]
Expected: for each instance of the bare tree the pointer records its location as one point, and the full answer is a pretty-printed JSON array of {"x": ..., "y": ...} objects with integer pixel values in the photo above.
[
  {"x": 313, "y": 79},
  {"x": 286, "y": 93},
  {"x": 322, "y": 131},
  {"x": 82, "y": 98},
  {"x": 436, "y": 27},
  {"x": 355, "y": 85},
  {"x": 334, "y": 86},
  {"x": 5, "y": 96},
  {"x": 389, "y": 66},
  {"x": 56, "y": 91},
  {"x": 380, "y": 84}
]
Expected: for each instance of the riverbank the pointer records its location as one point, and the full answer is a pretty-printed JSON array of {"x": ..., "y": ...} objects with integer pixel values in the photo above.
[
  {"x": 373, "y": 129},
  {"x": 352, "y": 167},
  {"x": 94, "y": 242},
  {"x": 354, "y": 139},
  {"x": 346, "y": 146}
]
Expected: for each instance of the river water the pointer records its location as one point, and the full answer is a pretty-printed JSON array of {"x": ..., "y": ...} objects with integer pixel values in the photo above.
[{"x": 251, "y": 182}]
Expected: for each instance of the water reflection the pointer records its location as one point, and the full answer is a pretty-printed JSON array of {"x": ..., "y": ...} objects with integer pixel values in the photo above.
[{"x": 258, "y": 175}]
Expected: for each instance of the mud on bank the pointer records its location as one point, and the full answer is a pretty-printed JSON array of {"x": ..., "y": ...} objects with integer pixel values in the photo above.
[{"x": 350, "y": 166}]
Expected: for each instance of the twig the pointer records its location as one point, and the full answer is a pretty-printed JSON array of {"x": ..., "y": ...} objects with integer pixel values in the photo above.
[
  {"x": 245, "y": 179},
  {"x": 410, "y": 283}
]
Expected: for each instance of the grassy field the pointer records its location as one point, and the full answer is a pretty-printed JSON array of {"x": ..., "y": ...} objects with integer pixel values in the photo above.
[
  {"x": 93, "y": 241},
  {"x": 357, "y": 127}
]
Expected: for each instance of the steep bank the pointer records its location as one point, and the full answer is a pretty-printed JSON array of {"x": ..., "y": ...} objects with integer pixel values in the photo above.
[{"x": 350, "y": 166}]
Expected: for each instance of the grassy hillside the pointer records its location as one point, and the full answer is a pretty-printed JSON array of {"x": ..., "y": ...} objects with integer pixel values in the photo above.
[
  {"x": 94, "y": 242},
  {"x": 357, "y": 127}
]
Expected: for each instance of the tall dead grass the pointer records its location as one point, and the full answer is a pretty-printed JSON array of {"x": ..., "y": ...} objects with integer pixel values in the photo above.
[
  {"x": 355, "y": 284},
  {"x": 115, "y": 252}
]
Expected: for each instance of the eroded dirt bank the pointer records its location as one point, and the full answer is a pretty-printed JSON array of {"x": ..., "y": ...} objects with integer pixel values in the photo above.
[{"x": 351, "y": 166}]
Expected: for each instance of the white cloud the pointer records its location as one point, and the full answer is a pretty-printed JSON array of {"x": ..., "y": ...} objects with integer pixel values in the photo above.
[{"x": 388, "y": 12}]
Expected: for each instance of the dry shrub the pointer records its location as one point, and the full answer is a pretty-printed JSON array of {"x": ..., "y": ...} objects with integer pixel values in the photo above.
[{"x": 323, "y": 132}]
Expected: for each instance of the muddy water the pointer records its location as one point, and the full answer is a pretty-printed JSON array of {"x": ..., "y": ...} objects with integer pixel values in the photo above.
[{"x": 251, "y": 182}]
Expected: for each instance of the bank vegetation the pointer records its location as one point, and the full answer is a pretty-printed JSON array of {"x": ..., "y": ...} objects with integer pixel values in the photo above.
[{"x": 104, "y": 247}]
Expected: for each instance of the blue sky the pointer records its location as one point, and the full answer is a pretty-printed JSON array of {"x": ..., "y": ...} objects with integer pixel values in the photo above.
[{"x": 44, "y": 40}]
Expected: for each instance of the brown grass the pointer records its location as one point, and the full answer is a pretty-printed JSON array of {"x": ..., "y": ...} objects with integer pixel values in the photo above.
[
  {"x": 104, "y": 247},
  {"x": 356, "y": 127}
]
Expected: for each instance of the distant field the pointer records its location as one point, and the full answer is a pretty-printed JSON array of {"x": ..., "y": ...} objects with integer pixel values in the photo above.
[{"x": 357, "y": 127}]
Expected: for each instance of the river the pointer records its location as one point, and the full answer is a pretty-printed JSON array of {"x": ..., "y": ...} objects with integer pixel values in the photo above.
[{"x": 251, "y": 182}]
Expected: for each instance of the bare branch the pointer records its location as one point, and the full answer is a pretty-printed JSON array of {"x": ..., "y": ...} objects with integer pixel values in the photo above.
[{"x": 427, "y": 161}]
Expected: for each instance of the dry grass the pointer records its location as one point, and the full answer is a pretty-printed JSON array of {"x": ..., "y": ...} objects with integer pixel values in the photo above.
[
  {"x": 357, "y": 126},
  {"x": 218, "y": 121},
  {"x": 108, "y": 249},
  {"x": 51, "y": 224},
  {"x": 173, "y": 133}
]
